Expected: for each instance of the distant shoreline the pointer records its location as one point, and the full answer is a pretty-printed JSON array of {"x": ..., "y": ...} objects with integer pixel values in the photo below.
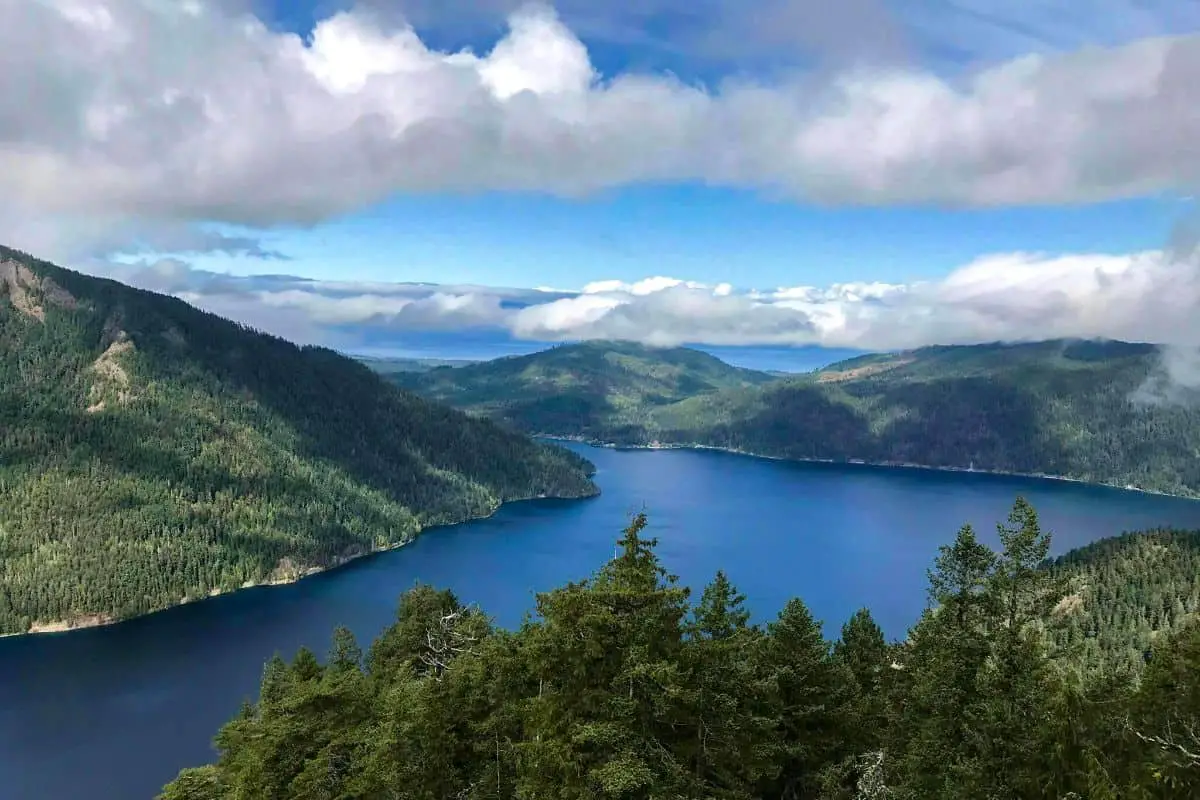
[
  {"x": 93, "y": 620},
  {"x": 863, "y": 463}
]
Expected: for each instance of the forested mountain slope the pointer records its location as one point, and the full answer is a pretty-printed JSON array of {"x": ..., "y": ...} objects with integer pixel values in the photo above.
[
  {"x": 1066, "y": 408},
  {"x": 625, "y": 686},
  {"x": 1123, "y": 594},
  {"x": 151, "y": 453},
  {"x": 591, "y": 389}
]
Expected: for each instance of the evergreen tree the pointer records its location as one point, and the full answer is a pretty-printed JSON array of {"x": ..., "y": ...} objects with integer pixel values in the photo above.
[
  {"x": 196, "y": 783},
  {"x": 728, "y": 715},
  {"x": 864, "y": 658},
  {"x": 947, "y": 649},
  {"x": 812, "y": 696},
  {"x": 607, "y": 662},
  {"x": 1009, "y": 718},
  {"x": 1166, "y": 717}
]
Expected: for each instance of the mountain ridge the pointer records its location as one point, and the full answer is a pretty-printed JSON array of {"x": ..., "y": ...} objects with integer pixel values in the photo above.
[
  {"x": 611, "y": 380},
  {"x": 151, "y": 453},
  {"x": 1061, "y": 408}
]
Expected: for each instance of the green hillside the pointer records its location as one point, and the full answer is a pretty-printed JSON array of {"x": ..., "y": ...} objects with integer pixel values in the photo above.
[
  {"x": 1123, "y": 595},
  {"x": 593, "y": 389},
  {"x": 1014, "y": 684},
  {"x": 151, "y": 453},
  {"x": 1059, "y": 408}
]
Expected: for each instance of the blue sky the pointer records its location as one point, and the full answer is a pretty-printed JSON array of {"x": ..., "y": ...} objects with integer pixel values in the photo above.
[
  {"x": 692, "y": 232},
  {"x": 871, "y": 174}
]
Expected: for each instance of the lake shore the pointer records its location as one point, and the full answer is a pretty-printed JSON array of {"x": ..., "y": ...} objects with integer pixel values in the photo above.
[
  {"x": 296, "y": 573},
  {"x": 860, "y": 463}
]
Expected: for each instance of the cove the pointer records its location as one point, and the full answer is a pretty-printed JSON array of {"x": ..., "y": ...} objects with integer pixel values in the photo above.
[{"x": 113, "y": 713}]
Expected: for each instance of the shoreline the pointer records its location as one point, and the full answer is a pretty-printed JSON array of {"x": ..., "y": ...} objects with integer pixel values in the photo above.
[
  {"x": 864, "y": 463},
  {"x": 93, "y": 620}
]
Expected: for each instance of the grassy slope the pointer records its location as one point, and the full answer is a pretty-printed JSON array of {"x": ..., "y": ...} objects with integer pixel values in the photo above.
[{"x": 151, "y": 453}]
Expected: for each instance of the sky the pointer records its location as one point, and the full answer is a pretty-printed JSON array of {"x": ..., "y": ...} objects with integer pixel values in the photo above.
[{"x": 407, "y": 174}]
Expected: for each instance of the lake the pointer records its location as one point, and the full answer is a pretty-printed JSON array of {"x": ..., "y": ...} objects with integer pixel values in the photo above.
[{"x": 113, "y": 713}]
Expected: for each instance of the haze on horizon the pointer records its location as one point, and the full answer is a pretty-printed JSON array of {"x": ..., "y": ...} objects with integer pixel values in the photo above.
[{"x": 875, "y": 176}]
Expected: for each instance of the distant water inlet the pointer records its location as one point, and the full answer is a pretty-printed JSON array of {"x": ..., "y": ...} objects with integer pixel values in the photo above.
[{"x": 113, "y": 713}]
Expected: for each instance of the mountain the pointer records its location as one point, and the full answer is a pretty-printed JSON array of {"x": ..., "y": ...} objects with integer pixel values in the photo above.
[
  {"x": 1065, "y": 408},
  {"x": 151, "y": 453},
  {"x": 386, "y": 365},
  {"x": 592, "y": 390},
  {"x": 624, "y": 685}
]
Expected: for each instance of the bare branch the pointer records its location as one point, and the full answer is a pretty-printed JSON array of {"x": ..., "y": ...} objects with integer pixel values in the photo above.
[
  {"x": 1184, "y": 748},
  {"x": 871, "y": 783},
  {"x": 447, "y": 640}
]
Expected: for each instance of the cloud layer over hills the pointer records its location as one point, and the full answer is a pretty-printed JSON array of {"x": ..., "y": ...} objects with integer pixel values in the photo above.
[{"x": 1143, "y": 297}]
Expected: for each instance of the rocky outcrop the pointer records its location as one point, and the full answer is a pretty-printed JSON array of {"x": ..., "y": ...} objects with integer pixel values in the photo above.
[{"x": 29, "y": 293}]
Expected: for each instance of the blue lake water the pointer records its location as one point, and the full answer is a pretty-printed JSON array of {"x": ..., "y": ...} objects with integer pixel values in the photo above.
[{"x": 113, "y": 713}]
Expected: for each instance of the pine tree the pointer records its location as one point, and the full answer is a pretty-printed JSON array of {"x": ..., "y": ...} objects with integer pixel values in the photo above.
[
  {"x": 1166, "y": 717},
  {"x": 727, "y": 715},
  {"x": 607, "y": 662},
  {"x": 196, "y": 783},
  {"x": 345, "y": 655},
  {"x": 864, "y": 660},
  {"x": 274, "y": 683},
  {"x": 863, "y": 650},
  {"x": 812, "y": 694},
  {"x": 617, "y": 691},
  {"x": 403, "y": 644},
  {"x": 1009, "y": 719},
  {"x": 947, "y": 648}
]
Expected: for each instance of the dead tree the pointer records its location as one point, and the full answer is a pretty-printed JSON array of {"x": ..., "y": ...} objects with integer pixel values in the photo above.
[{"x": 454, "y": 634}]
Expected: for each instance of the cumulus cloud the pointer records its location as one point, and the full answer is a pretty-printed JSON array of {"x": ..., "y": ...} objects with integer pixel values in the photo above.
[{"x": 173, "y": 114}]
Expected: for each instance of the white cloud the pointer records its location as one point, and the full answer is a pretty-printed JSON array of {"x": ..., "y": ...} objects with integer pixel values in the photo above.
[
  {"x": 1143, "y": 297},
  {"x": 642, "y": 287},
  {"x": 145, "y": 113},
  {"x": 1149, "y": 296}
]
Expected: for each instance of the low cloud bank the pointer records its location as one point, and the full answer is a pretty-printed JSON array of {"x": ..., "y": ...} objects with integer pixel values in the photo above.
[{"x": 1147, "y": 296}]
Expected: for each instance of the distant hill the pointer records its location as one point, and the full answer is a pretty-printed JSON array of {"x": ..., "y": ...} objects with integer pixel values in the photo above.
[
  {"x": 389, "y": 365},
  {"x": 593, "y": 389},
  {"x": 151, "y": 453},
  {"x": 1059, "y": 408}
]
